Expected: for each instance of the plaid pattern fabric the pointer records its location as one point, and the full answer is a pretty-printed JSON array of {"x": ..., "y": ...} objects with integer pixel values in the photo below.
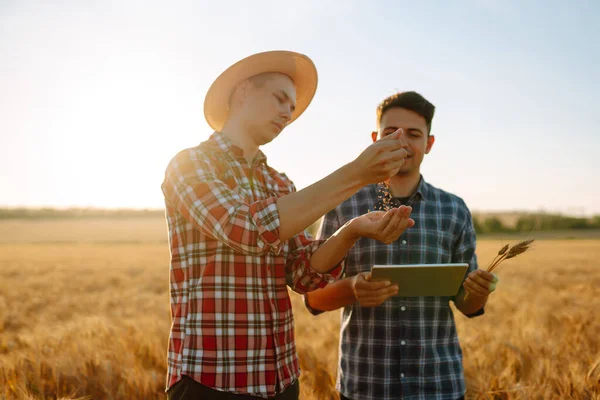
[
  {"x": 232, "y": 324},
  {"x": 407, "y": 347}
]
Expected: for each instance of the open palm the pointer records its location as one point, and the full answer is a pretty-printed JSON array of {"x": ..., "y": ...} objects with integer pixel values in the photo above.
[{"x": 385, "y": 226}]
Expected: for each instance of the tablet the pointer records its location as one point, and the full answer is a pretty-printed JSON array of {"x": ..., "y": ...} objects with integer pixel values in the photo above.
[{"x": 422, "y": 279}]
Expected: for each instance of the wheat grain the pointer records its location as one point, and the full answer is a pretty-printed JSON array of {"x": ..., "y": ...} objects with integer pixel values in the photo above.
[{"x": 506, "y": 253}]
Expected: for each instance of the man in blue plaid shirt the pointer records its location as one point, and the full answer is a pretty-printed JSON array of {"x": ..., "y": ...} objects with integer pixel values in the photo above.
[{"x": 403, "y": 347}]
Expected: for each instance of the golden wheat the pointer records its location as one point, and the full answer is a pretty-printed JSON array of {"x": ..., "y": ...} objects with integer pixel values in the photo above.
[
  {"x": 80, "y": 320},
  {"x": 506, "y": 253}
]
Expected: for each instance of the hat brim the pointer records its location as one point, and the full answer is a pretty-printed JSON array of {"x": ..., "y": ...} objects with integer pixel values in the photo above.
[{"x": 298, "y": 67}]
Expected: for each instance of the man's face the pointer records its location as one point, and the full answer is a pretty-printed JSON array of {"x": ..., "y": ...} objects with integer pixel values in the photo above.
[
  {"x": 414, "y": 135},
  {"x": 267, "y": 106}
]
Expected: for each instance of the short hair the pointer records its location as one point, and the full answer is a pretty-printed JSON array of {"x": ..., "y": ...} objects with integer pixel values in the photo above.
[{"x": 412, "y": 101}]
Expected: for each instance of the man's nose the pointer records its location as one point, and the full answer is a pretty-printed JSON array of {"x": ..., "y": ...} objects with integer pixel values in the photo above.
[{"x": 287, "y": 114}]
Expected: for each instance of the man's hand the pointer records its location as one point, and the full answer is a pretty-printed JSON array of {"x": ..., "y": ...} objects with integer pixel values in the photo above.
[
  {"x": 480, "y": 283},
  {"x": 371, "y": 294},
  {"x": 381, "y": 160},
  {"x": 385, "y": 226}
]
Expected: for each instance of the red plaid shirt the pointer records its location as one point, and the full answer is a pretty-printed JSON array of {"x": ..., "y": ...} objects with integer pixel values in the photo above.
[{"x": 232, "y": 323}]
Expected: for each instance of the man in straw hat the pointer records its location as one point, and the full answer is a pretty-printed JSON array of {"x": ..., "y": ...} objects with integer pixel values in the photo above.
[
  {"x": 236, "y": 234},
  {"x": 403, "y": 347}
]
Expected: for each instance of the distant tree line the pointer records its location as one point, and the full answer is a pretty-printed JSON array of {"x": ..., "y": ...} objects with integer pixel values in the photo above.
[
  {"x": 72, "y": 213},
  {"x": 490, "y": 224},
  {"x": 535, "y": 222}
]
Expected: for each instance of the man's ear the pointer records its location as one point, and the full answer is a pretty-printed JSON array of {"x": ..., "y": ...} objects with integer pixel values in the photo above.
[
  {"x": 240, "y": 93},
  {"x": 430, "y": 142},
  {"x": 374, "y": 136}
]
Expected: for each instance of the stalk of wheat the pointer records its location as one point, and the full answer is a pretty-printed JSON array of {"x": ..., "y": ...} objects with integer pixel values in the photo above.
[{"x": 506, "y": 253}]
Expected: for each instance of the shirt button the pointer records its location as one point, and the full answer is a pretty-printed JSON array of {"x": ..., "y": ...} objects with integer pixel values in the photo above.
[
  {"x": 403, "y": 308},
  {"x": 403, "y": 343},
  {"x": 404, "y": 242}
]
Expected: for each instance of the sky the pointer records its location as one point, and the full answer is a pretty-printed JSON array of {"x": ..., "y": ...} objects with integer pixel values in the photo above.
[{"x": 97, "y": 96}]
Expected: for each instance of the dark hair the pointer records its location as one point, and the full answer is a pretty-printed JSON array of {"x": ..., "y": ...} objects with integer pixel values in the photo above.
[{"x": 412, "y": 101}]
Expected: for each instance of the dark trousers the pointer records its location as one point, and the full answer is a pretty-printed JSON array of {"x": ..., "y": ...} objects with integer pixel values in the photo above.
[
  {"x": 342, "y": 397},
  {"x": 189, "y": 389}
]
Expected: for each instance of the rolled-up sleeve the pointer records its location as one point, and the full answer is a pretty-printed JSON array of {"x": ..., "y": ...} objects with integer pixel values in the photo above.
[
  {"x": 303, "y": 277},
  {"x": 193, "y": 188}
]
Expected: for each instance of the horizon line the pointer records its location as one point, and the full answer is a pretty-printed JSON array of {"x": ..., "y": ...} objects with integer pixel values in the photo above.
[{"x": 581, "y": 213}]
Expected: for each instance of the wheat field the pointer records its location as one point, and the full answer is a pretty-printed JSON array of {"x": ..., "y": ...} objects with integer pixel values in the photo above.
[{"x": 84, "y": 313}]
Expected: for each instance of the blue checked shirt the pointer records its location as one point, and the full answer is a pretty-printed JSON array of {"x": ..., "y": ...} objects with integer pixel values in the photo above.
[{"x": 407, "y": 348}]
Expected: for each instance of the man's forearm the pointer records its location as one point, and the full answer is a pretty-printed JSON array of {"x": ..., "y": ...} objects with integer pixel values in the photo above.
[
  {"x": 334, "y": 249},
  {"x": 333, "y": 296},
  {"x": 470, "y": 306},
  {"x": 299, "y": 210}
]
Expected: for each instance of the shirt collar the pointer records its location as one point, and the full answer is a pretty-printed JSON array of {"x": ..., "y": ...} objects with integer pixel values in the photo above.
[
  {"x": 228, "y": 147},
  {"x": 384, "y": 197},
  {"x": 422, "y": 189}
]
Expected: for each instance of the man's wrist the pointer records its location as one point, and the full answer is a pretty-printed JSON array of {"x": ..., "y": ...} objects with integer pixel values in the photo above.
[
  {"x": 313, "y": 311},
  {"x": 476, "y": 298},
  {"x": 351, "y": 173},
  {"x": 350, "y": 231},
  {"x": 473, "y": 304}
]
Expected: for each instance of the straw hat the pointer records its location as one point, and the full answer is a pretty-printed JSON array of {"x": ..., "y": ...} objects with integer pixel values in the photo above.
[{"x": 298, "y": 67}]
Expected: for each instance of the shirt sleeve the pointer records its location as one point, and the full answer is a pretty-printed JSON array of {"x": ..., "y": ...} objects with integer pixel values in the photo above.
[
  {"x": 302, "y": 277},
  {"x": 464, "y": 252},
  {"x": 330, "y": 223},
  {"x": 193, "y": 188}
]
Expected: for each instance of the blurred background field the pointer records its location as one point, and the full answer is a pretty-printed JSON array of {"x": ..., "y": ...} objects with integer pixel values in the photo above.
[{"x": 84, "y": 311}]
